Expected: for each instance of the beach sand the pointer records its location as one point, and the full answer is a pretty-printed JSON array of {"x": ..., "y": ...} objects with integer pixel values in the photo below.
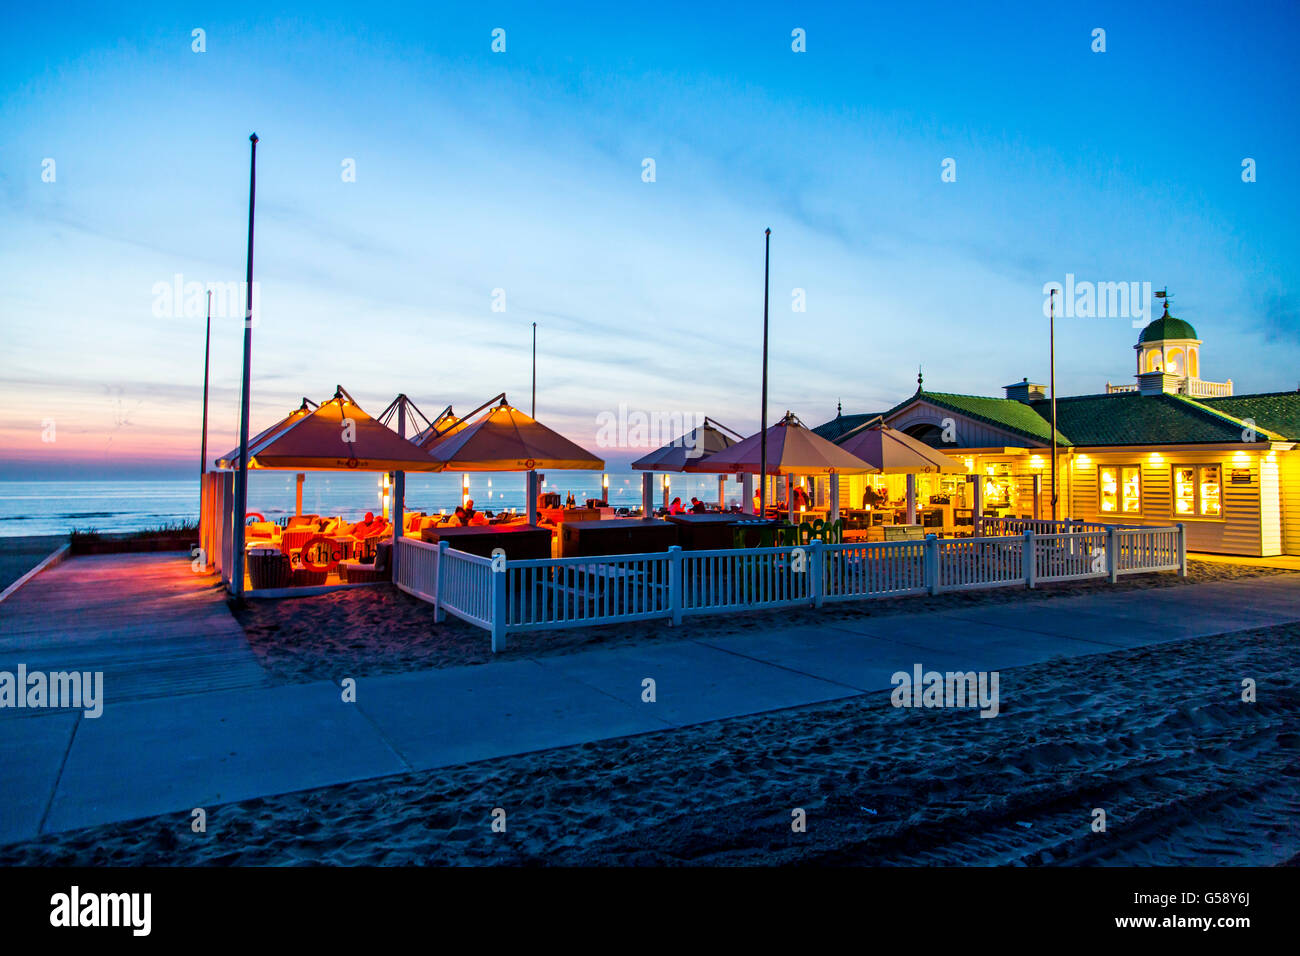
[
  {"x": 381, "y": 630},
  {"x": 1158, "y": 737},
  {"x": 20, "y": 555}
]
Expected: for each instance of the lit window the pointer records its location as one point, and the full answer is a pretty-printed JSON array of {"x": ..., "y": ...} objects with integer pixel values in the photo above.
[
  {"x": 1198, "y": 490},
  {"x": 1109, "y": 479},
  {"x": 1120, "y": 489}
]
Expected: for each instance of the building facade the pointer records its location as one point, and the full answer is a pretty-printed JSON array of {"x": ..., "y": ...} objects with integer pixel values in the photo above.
[{"x": 1170, "y": 448}]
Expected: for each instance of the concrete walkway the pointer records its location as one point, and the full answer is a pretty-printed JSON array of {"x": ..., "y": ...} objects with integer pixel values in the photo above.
[{"x": 156, "y": 751}]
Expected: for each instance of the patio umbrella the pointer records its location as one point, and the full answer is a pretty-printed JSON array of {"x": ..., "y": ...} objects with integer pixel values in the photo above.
[
  {"x": 696, "y": 444},
  {"x": 699, "y": 443},
  {"x": 442, "y": 426},
  {"x": 337, "y": 436},
  {"x": 892, "y": 452},
  {"x": 792, "y": 449},
  {"x": 231, "y": 458},
  {"x": 505, "y": 439}
]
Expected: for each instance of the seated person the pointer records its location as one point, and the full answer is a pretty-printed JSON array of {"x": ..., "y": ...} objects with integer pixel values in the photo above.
[
  {"x": 478, "y": 520},
  {"x": 676, "y": 507},
  {"x": 697, "y": 506},
  {"x": 872, "y": 498},
  {"x": 458, "y": 518}
]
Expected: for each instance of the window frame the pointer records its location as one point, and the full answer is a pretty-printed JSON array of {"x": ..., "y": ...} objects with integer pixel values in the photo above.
[
  {"x": 1119, "y": 470},
  {"x": 1198, "y": 505}
]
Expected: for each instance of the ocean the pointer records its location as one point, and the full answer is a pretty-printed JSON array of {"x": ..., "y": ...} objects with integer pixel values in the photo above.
[{"x": 57, "y": 507}]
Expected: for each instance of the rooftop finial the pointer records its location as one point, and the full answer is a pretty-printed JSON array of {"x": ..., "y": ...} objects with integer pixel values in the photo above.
[
  {"x": 919, "y": 380},
  {"x": 1164, "y": 294},
  {"x": 839, "y": 407}
]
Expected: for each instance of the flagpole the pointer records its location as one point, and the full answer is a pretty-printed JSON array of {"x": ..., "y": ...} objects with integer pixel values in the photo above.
[
  {"x": 762, "y": 428},
  {"x": 203, "y": 448},
  {"x": 1051, "y": 338},
  {"x": 241, "y": 485}
]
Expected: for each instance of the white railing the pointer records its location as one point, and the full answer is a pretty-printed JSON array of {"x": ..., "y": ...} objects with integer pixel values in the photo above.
[
  {"x": 966, "y": 563},
  {"x": 1196, "y": 388},
  {"x": 509, "y": 596},
  {"x": 416, "y": 568},
  {"x": 574, "y": 592},
  {"x": 735, "y": 578},
  {"x": 1149, "y": 549},
  {"x": 1069, "y": 557},
  {"x": 878, "y": 569},
  {"x": 990, "y": 525}
]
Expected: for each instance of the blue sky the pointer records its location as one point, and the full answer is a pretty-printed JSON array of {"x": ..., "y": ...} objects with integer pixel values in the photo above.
[{"x": 522, "y": 171}]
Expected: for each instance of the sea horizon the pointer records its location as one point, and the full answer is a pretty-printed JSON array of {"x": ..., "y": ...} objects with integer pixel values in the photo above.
[{"x": 31, "y": 508}]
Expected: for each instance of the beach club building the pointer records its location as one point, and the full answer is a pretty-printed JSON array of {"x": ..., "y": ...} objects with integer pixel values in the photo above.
[{"x": 1168, "y": 448}]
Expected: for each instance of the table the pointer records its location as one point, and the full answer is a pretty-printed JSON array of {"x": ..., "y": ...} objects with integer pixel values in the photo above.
[
  {"x": 520, "y": 542},
  {"x": 620, "y": 536},
  {"x": 706, "y": 532}
]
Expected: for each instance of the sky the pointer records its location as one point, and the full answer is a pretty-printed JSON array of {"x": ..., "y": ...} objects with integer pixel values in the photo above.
[{"x": 422, "y": 200}]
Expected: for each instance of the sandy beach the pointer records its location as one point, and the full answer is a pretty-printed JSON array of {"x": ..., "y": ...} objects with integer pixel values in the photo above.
[
  {"x": 383, "y": 631},
  {"x": 1158, "y": 737}
]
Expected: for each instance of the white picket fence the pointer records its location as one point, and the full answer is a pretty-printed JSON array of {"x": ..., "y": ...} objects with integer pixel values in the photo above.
[{"x": 510, "y": 596}]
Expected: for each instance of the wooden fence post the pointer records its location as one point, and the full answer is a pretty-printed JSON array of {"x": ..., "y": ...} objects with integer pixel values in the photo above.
[
  {"x": 815, "y": 584},
  {"x": 1027, "y": 555},
  {"x": 439, "y": 576},
  {"x": 930, "y": 563},
  {"x": 675, "y": 583},
  {"x": 1112, "y": 553},
  {"x": 1182, "y": 550},
  {"x": 497, "y": 589}
]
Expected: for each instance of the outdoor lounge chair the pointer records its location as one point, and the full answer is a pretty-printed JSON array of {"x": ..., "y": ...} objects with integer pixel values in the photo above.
[{"x": 362, "y": 572}]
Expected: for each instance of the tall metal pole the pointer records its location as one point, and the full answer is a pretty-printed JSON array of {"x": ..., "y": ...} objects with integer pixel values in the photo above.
[
  {"x": 241, "y": 484},
  {"x": 1051, "y": 338},
  {"x": 203, "y": 448},
  {"x": 530, "y": 480},
  {"x": 762, "y": 428}
]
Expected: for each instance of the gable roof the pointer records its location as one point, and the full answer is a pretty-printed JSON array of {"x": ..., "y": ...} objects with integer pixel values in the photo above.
[
  {"x": 1006, "y": 413},
  {"x": 1278, "y": 412},
  {"x": 1125, "y": 418},
  {"x": 1131, "y": 418},
  {"x": 841, "y": 425}
]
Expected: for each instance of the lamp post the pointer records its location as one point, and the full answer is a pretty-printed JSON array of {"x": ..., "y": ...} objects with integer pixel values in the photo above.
[
  {"x": 1051, "y": 347},
  {"x": 762, "y": 428},
  {"x": 241, "y": 485}
]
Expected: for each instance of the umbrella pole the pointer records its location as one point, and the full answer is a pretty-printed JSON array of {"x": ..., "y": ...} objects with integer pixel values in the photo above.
[{"x": 762, "y": 427}]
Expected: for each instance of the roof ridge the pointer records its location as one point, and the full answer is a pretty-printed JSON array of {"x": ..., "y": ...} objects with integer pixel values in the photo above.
[{"x": 1215, "y": 413}]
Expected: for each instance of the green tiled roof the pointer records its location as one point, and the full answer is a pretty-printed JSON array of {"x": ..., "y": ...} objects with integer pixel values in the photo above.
[
  {"x": 1121, "y": 418},
  {"x": 1166, "y": 327},
  {"x": 1277, "y": 412},
  {"x": 1006, "y": 413},
  {"x": 1130, "y": 418},
  {"x": 841, "y": 425}
]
